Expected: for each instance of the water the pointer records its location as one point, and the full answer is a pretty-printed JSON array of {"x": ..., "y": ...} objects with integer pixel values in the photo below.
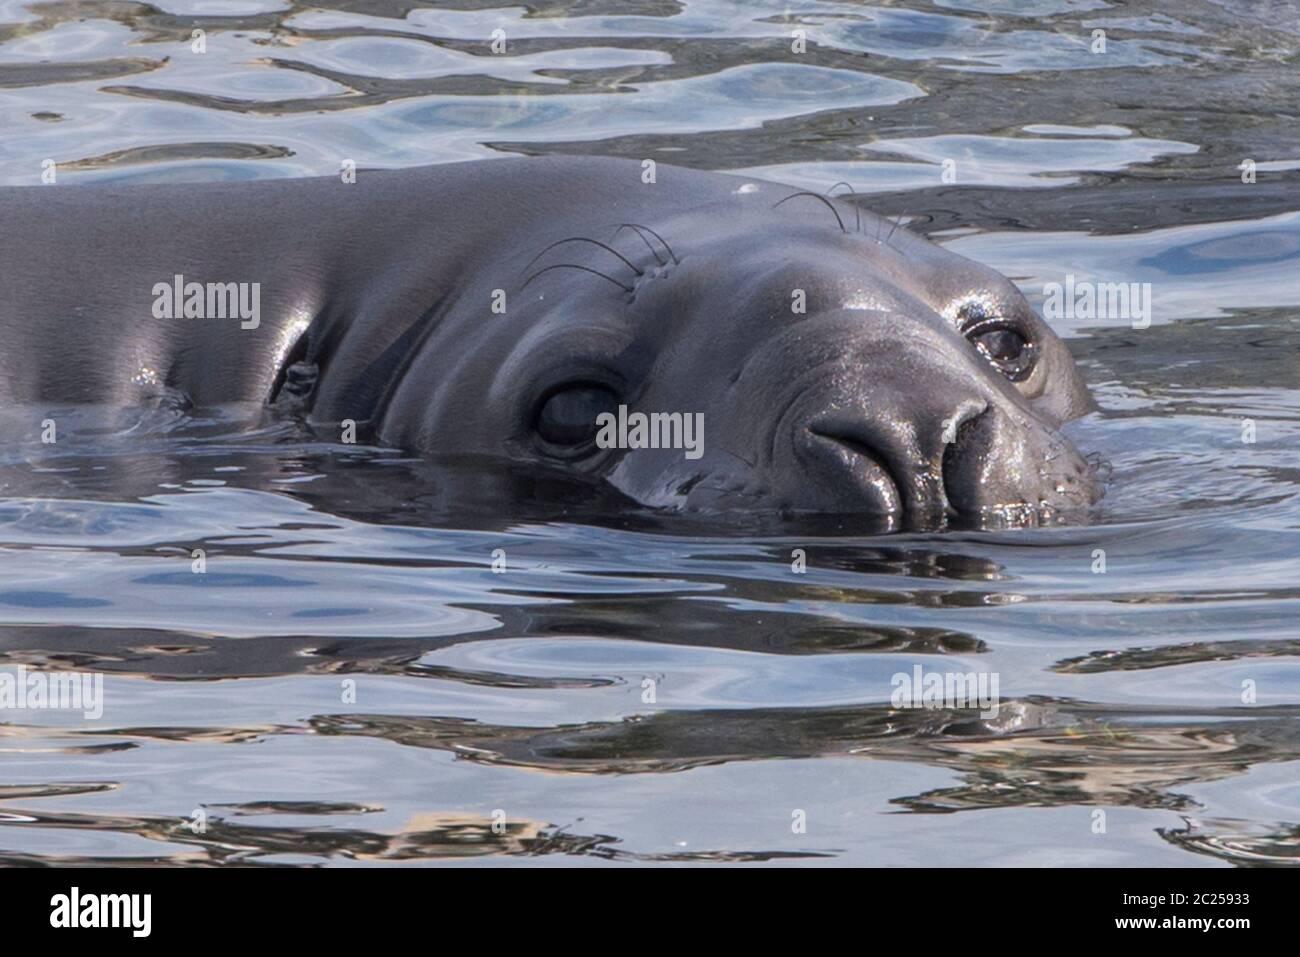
[{"x": 351, "y": 682}]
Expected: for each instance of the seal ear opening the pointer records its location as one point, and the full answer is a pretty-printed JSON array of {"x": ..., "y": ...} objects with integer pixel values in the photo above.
[{"x": 296, "y": 379}]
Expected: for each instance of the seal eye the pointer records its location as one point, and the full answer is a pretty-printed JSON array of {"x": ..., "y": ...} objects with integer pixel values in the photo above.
[
  {"x": 568, "y": 415},
  {"x": 1003, "y": 344}
]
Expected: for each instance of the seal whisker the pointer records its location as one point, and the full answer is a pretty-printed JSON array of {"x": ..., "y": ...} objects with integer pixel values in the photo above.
[
  {"x": 897, "y": 223},
  {"x": 821, "y": 199},
  {"x": 641, "y": 230},
  {"x": 667, "y": 248},
  {"x": 737, "y": 456},
  {"x": 594, "y": 272},
  {"x": 857, "y": 210},
  {"x": 594, "y": 242},
  {"x": 648, "y": 245}
]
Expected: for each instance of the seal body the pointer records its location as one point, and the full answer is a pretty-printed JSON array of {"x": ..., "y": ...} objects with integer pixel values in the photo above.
[{"x": 699, "y": 340}]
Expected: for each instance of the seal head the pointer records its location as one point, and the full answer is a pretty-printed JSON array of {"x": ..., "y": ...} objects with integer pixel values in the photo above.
[{"x": 822, "y": 368}]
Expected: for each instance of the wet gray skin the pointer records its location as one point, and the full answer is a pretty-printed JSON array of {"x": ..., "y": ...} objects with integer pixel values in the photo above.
[
  {"x": 912, "y": 384},
  {"x": 915, "y": 384}
]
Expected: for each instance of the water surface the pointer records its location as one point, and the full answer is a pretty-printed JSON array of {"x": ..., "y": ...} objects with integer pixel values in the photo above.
[{"x": 350, "y": 681}]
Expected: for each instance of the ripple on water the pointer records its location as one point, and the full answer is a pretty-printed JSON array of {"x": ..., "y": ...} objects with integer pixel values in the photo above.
[{"x": 647, "y": 689}]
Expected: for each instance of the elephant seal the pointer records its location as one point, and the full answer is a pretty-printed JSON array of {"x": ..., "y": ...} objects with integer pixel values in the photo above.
[{"x": 701, "y": 341}]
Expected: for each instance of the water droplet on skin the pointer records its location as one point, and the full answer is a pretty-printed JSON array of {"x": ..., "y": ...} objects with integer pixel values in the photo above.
[{"x": 145, "y": 377}]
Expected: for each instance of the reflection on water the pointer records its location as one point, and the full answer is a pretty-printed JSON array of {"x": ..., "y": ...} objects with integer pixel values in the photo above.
[
  {"x": 429, "y": 836},
  {"x": 351, "y": 681}
]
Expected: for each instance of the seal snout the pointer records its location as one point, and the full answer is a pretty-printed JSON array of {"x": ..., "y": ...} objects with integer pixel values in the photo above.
[
  {"x": 935, "y": 461},
  {"x": 903, "y": 460}
]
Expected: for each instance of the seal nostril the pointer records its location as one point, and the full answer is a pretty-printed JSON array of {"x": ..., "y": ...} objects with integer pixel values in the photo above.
[
  {"x": 968, "y": 442},
  {"x": 858, "y": 446},
  {"x": 854, "y": 445}
]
